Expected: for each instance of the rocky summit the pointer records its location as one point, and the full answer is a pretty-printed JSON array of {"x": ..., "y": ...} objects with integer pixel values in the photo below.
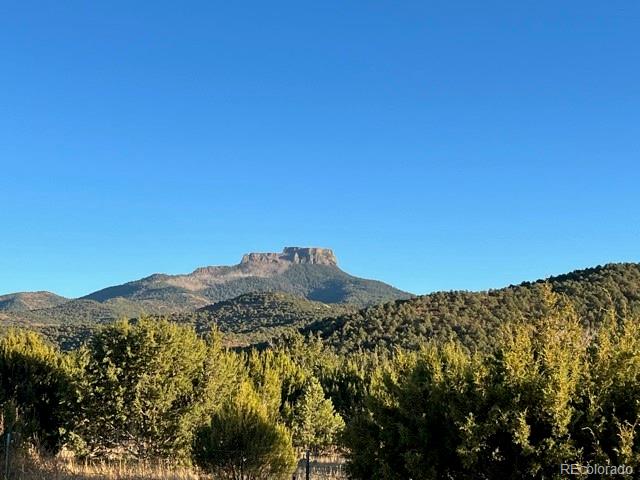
[{"x": 295, "y": 255}]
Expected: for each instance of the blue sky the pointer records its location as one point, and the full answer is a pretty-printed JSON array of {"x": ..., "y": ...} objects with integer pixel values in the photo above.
[{"x": 433, "y": 145}]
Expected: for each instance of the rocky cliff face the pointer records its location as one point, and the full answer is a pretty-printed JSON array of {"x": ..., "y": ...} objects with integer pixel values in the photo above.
[{"x": 295, "y": 255}]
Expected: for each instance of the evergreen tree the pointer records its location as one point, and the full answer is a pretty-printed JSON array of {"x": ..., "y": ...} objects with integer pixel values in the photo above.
[
  {"x": 148, "y": 385},
  {"x": 315, "y": 423},
  {"x": 37, "y": 381},
  {"x": 523, "y": 428},
  {"x": 242, "y": 442}
]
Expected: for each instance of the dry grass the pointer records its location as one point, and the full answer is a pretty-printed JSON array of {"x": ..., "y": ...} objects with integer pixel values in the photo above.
[{"x": 30, "y": 466}]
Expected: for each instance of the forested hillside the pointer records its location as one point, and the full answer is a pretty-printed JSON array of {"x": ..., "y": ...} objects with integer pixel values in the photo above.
[
  {"x": 474, "y": 317},
  {"x": 23, "y": 301},
  {"x": 255, "y": 318}
]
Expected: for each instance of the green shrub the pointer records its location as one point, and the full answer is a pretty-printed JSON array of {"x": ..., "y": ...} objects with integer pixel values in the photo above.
[
  {"x": 147, "y": 386},
  {"x": 550, "y": 393},
  {"x": 36, "y": 380},
  {"x": 241, "y": 442}
]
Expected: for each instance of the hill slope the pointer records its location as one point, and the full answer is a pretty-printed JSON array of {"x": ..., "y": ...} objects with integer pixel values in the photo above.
[
  {"x": 257, "y": 317},
  {"x": 24, "y": 301},
  {"x": 250, "y": 319},
  {"x": 474, "y": 317}
]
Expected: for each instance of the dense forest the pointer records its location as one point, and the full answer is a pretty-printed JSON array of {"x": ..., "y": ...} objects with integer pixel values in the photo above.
[
  {"x": 474, "y": 318},
  {"x": 508, "y": 384},
  {"x": 258, "y": 318}
]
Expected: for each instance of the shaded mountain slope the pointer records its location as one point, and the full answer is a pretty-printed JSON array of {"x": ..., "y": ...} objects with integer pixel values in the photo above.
[{"x": 257, "y": 317}]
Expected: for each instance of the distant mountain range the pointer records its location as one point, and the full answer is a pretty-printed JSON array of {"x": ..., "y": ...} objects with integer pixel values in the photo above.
[
  {"x": 302, "y": 289},
  {"x": 310, "y": 273}
]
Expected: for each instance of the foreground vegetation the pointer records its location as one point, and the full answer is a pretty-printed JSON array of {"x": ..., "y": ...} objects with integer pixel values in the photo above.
[
  {"x": 29, "y": 465},
  {"x": 549, "y": 394},
  {"x": 152, "y": 390},
  {"x": 551, "y": 389}
]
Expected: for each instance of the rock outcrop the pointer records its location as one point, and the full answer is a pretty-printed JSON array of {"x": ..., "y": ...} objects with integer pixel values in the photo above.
[{"x": 295, "y": 255}]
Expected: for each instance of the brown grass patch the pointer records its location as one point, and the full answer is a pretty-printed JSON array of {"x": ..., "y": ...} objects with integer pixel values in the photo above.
[{"x": 31, "y": 466}]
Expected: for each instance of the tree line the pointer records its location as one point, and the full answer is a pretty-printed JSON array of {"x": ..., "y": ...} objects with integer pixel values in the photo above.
[
  {"x": 549, "y": 392},
  {"x": 154, "y": 390}
]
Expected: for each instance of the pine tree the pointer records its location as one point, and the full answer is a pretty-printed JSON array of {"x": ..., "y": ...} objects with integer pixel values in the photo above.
[
  {"x": 242, "y": 442},
  {"x": 315, "y": 423},
  {"x": 147, "y": 385}
]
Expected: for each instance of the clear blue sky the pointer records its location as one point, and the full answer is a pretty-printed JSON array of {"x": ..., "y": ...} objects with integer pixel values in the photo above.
[{"x": 433, "y": 145}]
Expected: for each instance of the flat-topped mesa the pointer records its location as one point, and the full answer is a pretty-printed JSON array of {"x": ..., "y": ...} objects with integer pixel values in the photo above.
[
  {"x": 314, "y": 256},
  {"x": 301, "y": 255}
]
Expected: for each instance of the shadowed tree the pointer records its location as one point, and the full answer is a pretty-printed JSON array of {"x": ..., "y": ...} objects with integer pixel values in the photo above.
[
  {"x": 242, "y": 442},
  {"x": 37, "y": 379}
]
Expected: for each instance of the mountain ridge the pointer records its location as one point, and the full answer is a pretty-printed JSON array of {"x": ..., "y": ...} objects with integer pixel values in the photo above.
[
  {"x": 258, "y": 317},
  {"x": 308, "y": 272},
  {"x": 24, "y": 301}
]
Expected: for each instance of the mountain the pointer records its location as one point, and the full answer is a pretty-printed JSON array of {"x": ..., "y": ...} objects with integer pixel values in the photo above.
[
  {"x": 303, "y": 289},
  {"x": 310, "y": 273},
  {"x": 25, "y": 301},
  {"x": 475, "y": 317}
]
